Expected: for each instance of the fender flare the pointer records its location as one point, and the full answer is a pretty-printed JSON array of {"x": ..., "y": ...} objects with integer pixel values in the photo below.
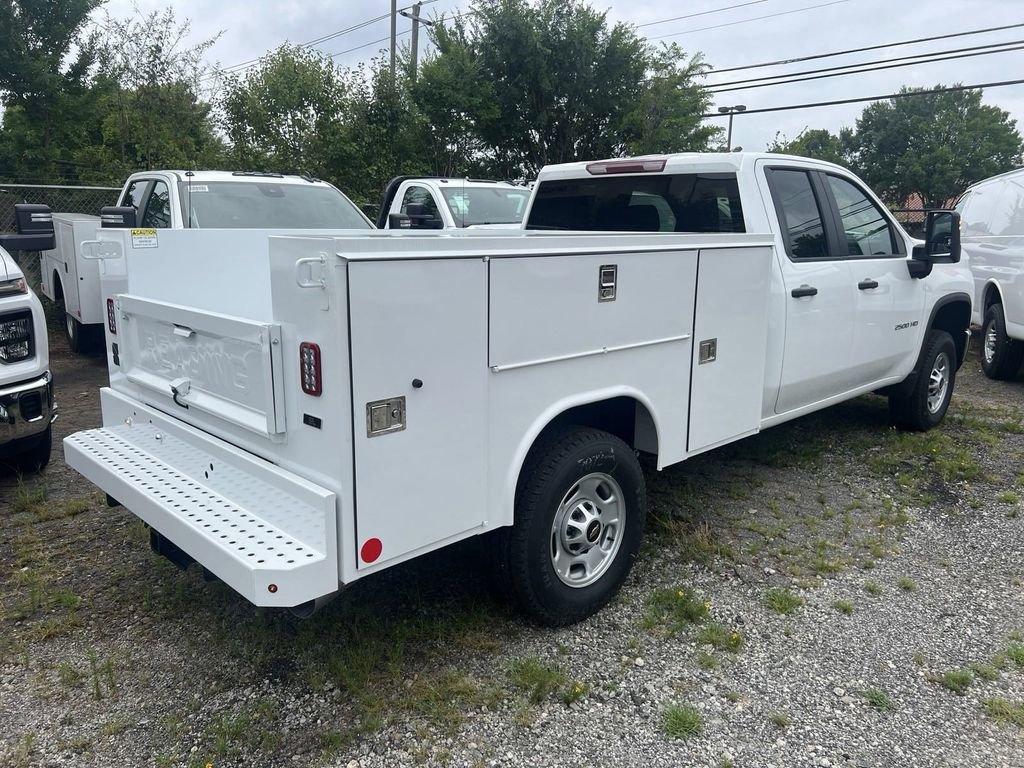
[{"x": 999, "y": 289}]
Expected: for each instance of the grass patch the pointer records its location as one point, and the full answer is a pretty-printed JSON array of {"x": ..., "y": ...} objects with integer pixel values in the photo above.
[
  {"x": 879, "y": 699},
  {"x": 873, "y": 588},
  {"x": 779, "y": 719},
  {"x": 906, "y": 583},
  {"x": 707, "y": 660},
  {"x": 1015, "y": 653},
  {"x": 782, "y": 600},
  {"x": 676, "y": 608},
  {"x": 1005, "y": 711},
  {"x": 845, "y": 607},
  {"x": 1008, "y": 497},
  {"x": 984, "y": 671},
  {"x": 681, "y": 721},
  {"x": 717, "y": 636},
  {"x": 957, "y": 680},
  {"x": 534, "y": 678}
]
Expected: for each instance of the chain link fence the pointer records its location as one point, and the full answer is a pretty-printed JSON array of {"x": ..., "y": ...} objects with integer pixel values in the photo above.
[
  {"x": 912, "y": 219},
  {"x": 60, "y": 198}
]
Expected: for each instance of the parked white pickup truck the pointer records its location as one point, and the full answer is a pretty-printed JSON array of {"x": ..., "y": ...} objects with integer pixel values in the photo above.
[
  {"x": 993, "y": 238},
  {"x": 313, "y": 412},
  {"x": 157, "y": 200},
  {"x": 26, "y": 388},
  {"x": 452, "y": 203}
]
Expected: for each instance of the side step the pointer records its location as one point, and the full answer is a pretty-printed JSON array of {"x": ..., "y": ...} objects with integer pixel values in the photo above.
[{"x": 266, "y": 532}]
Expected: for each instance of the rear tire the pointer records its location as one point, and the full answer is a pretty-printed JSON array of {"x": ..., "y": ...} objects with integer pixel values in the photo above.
[
  {"x": 580, "y": 512},
  {"x": 925, "y": 405},
  {"x": 74, "y": 332},
  {"x": 1001, "y": 356}
]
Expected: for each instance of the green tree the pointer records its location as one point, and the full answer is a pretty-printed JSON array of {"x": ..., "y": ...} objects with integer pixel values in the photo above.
[
  {"x": 817, "y": 143},
  {"x": 553, "y": 81},
  {"x": 935, "y": 145}
]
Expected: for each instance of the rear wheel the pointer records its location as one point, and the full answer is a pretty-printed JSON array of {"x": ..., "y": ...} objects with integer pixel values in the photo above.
[
  {"x": 74, "y": 332},
  {"x": 1000, "y": 355},
  {"x": 580, "y": 513},
  {"x": 925, "y": 405}
]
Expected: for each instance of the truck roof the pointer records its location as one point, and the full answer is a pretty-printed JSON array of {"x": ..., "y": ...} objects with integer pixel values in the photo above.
[
  {"x": 690, "y": 162},
  {"x": 241, "y": 176}
]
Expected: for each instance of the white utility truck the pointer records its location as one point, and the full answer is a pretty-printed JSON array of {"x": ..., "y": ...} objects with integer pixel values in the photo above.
[
  {"x": 993, "y": 238},
  {"x": 157, "y": 200},
  {"x": 298, "y": 416},
  {"x": 26, "y": 388},
  {"x": 451, "y": 203}
]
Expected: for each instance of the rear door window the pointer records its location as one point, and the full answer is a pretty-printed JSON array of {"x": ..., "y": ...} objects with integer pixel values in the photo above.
[
  {"x": 799, "y": 212},
  {"x": 684, "y": 202}
]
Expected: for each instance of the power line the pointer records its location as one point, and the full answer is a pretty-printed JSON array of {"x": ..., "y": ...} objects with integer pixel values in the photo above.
[
  {"x": 869, "y": 48},
  {"x": 903, "y": 95},
  {"x": 701, "y": 13},
  {"x": 753, "y": 18},
  {"x": 388, "y": 38},
  {"x": 866, "y": 69}
]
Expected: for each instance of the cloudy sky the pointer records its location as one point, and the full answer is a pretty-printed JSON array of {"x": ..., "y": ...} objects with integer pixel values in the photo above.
[{"x": 758, "y": 31}]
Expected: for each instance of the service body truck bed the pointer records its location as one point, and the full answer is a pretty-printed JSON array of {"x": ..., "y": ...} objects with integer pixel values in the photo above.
[{"x": 309, "y": 413}]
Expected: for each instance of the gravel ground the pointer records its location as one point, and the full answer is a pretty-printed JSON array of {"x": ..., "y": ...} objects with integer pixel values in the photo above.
[{"x": 899, "y": 559}]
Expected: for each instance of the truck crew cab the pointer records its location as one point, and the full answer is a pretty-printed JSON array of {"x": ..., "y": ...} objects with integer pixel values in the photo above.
[
  {"x": 156, "y": 200},
  {"x": 452, "y": 203},
  {"x": 321, "y": 407}
]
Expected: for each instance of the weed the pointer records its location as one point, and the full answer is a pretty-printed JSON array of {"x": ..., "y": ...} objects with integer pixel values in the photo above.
[
  {"x": 681, "y": 721},
  {"x": 1004, "y": 711},
  {"x": 984, "y": 671},
  {"x": 919, "y": 658},
  {"x": 535, "y": 678},
  {"x": 906, "y": 583},
  {"x": 782, "y": 600},
  {"x": 879, "y": 699},
  {"x": 719, "y": 637},
  {"x": 1008, "y": 497},
  {"x": 779, "y": 719},
  {"x": 28, "y": 500},
  {"x": 872, "y": 588},
  {"x": 707, "y": 660},
  {"x": 69, "y": 676},
  {"x": 956, "y": 680},
  {"x": 575, "y": 692},
  {"x": 677, "y": 608},
  {"x": 845, "y": 607},
  {"x": 1015, "y": 653},
  {"x": 733, "y": 696}
]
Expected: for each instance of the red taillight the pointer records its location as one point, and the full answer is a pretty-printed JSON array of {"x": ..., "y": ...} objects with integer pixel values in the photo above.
[
  {"x": 626, "y": 166},
  {"x": 111, "y": 319},
  {"x": 309, "y": 368}
]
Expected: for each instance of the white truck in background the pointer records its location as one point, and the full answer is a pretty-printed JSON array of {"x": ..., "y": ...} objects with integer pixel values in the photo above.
[
  {"x": 429, "y": 202},
  {"x": 156, "y": 200},
  {"x": 27, "y": 408},
  {"x": 993, "y": 238},
  {"x": 298, "y": 416}
]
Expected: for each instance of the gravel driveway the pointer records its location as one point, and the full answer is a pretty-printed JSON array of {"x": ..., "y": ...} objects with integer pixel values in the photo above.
[{"x": 829, "y": 593}]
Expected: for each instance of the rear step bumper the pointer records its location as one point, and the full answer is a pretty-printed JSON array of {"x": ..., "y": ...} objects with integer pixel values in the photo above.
[{"x": 266, "y": 532}]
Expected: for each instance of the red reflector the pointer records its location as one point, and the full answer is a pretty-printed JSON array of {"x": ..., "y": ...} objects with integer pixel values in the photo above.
[
  {"x": 111, "y": 320},
  {"x": 309, "y": 369},
  {"x": 272, "y": 588},
  {"x": 626, "y": 166},
  {"x": 371, "y": 550}
]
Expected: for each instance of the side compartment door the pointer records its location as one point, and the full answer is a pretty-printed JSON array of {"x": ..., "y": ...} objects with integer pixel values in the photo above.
[
  {"x": 819, "y": 292},
  {"x": 419, "y": 387},
  {"x": 890, "y": 303}
]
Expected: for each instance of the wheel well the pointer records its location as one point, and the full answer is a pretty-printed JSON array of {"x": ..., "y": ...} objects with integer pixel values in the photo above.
[
  {"x": 624, "y": 416},
  {"x": 954, "y": 318},
  {"x": 991, "y": 297},
  {"x": 58, "y": 287}
]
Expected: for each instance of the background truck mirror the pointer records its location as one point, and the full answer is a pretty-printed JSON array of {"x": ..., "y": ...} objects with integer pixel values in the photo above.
[
  {"x": 117, "y": 216},
  {"x": 35, "y": 229},
  {"x": 420, "y": 219},
  {"x": 399, "y": 221}
]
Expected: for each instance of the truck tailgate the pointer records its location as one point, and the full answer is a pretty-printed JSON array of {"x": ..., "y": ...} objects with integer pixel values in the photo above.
[{"x": 269, "y": 534}]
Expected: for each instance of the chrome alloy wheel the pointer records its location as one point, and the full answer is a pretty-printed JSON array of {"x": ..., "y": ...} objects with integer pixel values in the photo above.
[
  {"x": 990, "y": 342},
  {"x": 938, "y": 382},
  {"x": 69, "y": 322},
  {"x": 587, "y": 529}
]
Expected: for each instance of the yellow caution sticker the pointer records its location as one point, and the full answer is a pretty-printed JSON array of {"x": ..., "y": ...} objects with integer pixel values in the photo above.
[{"x": 144, "y": 237}]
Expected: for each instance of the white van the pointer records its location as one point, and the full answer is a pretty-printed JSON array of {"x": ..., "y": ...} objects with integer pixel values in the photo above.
[{"x": 992, "y": 221}]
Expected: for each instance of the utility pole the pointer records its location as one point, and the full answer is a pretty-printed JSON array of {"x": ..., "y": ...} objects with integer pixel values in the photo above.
[
  {"x": 730, "y": 111},
  {"x": 394, "y": 35},
  {"x": 414, "y": 14}
]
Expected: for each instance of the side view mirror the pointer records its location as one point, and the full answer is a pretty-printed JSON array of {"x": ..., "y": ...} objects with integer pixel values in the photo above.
[
  {"x": 941, "y": 238},
  {"x": 35, "y": 229},
  {"x": 399, "y": 221},
  {"x": 420, "y": 219},
  {"x": 118, "y": 216}
]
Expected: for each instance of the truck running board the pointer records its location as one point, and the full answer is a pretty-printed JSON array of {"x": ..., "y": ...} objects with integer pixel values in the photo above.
[{"x": 266, "y": 532}]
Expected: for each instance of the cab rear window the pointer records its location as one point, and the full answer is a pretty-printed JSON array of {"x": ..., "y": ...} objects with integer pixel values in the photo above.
[{"x": 685, "y": 202}]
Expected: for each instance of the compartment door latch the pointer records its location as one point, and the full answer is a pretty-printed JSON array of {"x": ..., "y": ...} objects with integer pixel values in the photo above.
[
  {"x": 606, "y": 282},
  {"x": 385, "y": 416}
]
